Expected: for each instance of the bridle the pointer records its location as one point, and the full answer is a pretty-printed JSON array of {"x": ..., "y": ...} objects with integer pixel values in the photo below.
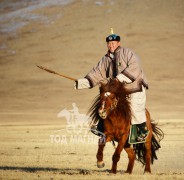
[{"x": 114, "y": 104}]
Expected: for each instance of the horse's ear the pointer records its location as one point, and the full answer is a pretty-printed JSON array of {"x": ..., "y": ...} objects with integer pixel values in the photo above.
[
  {"x": 102, "y": 83},
  {"x": 101, "y": 86}
]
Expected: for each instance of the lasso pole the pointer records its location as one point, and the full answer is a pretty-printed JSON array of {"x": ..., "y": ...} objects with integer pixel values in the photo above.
[{"x": 53, "y": 72}]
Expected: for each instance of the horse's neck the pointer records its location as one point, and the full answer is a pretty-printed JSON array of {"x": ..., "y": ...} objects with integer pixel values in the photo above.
[{"x": 117, "y": 120}]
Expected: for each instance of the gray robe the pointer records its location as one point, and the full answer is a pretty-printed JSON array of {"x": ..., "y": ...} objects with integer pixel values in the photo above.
[{"x": 125, "y": 62}]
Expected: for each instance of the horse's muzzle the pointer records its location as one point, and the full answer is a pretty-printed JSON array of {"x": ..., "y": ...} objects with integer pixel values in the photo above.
[{"x": 102, "y": 113}]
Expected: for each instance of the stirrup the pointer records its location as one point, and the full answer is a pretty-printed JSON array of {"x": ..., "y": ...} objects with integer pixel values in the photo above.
[{"x": 94, "y": 129}]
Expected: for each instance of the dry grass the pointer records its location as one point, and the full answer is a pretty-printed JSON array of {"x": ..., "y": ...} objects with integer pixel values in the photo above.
[{"x": 27, "y": 152}]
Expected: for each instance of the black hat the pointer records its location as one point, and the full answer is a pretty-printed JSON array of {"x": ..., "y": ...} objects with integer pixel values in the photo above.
[{"x": 113, "y": 37}]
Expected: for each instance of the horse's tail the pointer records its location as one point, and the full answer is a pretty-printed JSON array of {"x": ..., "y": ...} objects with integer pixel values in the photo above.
[{"x": 157, "y": 136}]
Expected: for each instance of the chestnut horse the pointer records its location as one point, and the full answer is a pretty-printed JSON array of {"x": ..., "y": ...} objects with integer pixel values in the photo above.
[{"x": 112, "y": 107}]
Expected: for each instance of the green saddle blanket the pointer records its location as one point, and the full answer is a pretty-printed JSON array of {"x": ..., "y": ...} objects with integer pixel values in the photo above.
[{"x": 133, "y": 135}]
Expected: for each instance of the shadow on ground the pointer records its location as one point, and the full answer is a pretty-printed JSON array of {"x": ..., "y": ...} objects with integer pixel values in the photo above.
[{"x": 68, "y": 171}]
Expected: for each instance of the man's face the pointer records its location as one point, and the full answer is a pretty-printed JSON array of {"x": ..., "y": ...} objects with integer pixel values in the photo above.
[{"x": 112, "y": 45}]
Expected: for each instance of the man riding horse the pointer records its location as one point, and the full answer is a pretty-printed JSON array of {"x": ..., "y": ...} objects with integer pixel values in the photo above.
[{"x": 124, "y": 65}]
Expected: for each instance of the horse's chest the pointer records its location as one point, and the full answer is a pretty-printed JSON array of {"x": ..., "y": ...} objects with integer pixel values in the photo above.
[{"x": 116, "y": 133}]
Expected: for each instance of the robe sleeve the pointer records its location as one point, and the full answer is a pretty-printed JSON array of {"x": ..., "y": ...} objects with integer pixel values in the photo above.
[{"x": 98, "y": 72}]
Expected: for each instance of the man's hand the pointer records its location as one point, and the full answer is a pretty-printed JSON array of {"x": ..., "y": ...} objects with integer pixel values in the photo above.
[
  {"x": 122, "y": 78},
  {"x": 82, "y": 84}
]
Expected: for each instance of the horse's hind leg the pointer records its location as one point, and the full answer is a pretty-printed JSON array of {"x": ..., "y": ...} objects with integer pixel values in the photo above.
[
  {"x": 131, "y": 157},
  {"x": 148, "y": 157},
  {"x": 148, "y": 153}
]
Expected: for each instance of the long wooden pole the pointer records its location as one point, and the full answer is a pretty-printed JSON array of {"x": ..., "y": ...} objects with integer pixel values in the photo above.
[{"x": 53, "y": 72}]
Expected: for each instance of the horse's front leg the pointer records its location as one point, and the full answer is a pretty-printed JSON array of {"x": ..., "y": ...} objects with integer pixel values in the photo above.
[
  {"x": 116, "y": 155},
  {"x": 101, "y": 144}
]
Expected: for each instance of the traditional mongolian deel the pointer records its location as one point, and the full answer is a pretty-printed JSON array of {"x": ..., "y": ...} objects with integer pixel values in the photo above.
[{"x": 125, "y": 62}]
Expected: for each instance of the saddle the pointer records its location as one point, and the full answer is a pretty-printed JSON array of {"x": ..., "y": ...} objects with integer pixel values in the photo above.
[{"x": 135, "y": 137}]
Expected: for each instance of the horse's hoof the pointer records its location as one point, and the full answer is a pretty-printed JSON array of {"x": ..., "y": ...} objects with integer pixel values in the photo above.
[
  {"x": 100, "y": 164},
  {"x": 128, "y": 172},
  {"x": 113, "y": 171}
]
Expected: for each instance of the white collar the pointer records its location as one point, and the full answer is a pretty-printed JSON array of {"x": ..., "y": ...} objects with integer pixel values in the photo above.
[{"x": 112, "y": 56}]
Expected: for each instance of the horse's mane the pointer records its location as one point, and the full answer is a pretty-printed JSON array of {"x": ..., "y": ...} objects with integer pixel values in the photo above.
[{"x": 123, "y": 107}]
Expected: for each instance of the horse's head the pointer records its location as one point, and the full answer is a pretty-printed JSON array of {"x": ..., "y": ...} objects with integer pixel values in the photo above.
[
  {"x": 107, "y": 105},
  {"x": 108, "y": 98},
  {"x": 113, "y": 97}
]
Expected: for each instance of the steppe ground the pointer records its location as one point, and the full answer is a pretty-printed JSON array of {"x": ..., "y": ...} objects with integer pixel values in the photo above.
[{"x": 70, "y": 39}]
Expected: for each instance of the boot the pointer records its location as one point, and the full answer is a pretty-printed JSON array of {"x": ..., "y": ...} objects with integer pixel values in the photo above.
[
  {"x": 98, "y": 129},
  {"x": 142, "y": 132}
]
